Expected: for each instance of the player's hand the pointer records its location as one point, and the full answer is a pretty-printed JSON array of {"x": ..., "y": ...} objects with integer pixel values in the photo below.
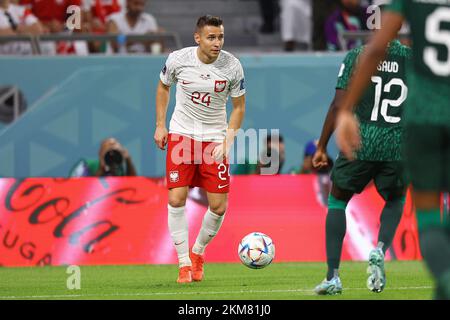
[
  {"x": 161, "y": 136},
  {"x": 220, "y": 152},
  {"x": 347, "y": 134},
  {"x": 320, "y": 159}
]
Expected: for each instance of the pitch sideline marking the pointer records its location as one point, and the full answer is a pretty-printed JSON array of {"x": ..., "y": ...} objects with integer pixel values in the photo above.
[{"x": 310, "y": 291}]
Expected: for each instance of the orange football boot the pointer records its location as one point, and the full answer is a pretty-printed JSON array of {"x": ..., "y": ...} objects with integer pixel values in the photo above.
[
  {"x": 197, "y": 266},
  {"x": 185, "y": 275}
]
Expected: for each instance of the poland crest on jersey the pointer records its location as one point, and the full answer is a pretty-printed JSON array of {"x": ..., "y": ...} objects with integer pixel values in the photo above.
[
  {"x": 174, "y": 176},
  {"x": 220, "y": 85}
]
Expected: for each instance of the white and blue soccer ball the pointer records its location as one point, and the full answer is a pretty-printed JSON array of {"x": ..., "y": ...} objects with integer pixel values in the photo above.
[{"x": 256, "y": 250}]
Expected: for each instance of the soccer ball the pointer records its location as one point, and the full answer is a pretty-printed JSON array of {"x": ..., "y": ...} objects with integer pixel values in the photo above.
[{"x": 256, "y": 250}]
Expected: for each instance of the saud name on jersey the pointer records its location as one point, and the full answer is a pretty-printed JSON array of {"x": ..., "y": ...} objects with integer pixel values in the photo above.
[{"x": 388, "y": 66}]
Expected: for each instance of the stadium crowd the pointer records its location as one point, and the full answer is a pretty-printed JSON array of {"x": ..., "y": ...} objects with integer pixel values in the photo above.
[
  {"x": 37, "y": 17},
  {"x": 302, "y": 24}
]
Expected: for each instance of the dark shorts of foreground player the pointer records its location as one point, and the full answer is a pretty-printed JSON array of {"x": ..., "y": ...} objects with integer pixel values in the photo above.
[
  {"x": 427, "y": 154},
  {"x": 190, "y": 163},
  {"x": 389, "y": 176}
]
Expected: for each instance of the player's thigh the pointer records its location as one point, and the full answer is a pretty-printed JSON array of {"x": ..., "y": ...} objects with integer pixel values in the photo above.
[
  {"x": 218, "y": 202},
  {"x": 180, "y": 166},
  {"x": 352, "y": 176},
  {"x": 390, "y": 180},
  {"x": 426, "y": 154},
  {"x": 178, "y": 196},
  {"x": 341, "y": 194}
]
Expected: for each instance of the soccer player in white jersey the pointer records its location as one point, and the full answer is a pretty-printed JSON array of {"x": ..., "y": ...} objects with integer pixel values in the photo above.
[{"x": 199, "y": 138}]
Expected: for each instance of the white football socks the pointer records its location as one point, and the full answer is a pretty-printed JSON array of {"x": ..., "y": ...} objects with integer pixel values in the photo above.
[
  {"x": 210, "y": 226},
  {"x": 178, "y": 228}
]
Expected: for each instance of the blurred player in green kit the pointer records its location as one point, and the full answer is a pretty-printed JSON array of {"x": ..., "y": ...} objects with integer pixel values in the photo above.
[
  {"x": 426, "y": 119},
  {"x": 379, "y": 159}
]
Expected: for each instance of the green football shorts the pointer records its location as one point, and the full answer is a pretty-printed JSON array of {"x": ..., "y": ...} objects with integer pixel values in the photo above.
[{"x": 389, "y": 176}]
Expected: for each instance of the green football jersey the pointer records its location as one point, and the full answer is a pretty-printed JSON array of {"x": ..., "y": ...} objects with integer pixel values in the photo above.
[
  {"x": 428, "y": 72},
  {"x": 380, "y": 109}
]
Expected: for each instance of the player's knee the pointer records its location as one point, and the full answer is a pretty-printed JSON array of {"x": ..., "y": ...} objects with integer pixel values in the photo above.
[
  {"x": 218, "y": 208},
  {"x": 334, "y": 203},
  {"x": 394, "y": 197},
  {"x": 396, "y": 201},
  {"x": 177, "y": 202},
  {"x": 177, "y": 197},
  {"x": 341, "y": 194}
]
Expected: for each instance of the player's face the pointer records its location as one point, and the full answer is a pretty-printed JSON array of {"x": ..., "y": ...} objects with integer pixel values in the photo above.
[{"x": 210, "y": 40}]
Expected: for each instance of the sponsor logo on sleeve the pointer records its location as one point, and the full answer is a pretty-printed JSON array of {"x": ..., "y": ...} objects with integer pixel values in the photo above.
[
  {"x": 242, "y": 86},
  {"x": 164, "y": 70}
]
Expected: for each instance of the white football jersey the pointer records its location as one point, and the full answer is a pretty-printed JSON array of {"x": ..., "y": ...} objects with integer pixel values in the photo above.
[{"x": 202, "y": 92}]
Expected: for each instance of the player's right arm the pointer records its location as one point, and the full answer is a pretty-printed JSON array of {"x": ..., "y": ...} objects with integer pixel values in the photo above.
[
  {"x": 320, "y": 158},
  {"x": 167, "y": 77},
  {"x": 162, "y": 102}
]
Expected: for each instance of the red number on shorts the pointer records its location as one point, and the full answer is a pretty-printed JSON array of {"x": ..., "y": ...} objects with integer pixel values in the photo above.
[{"x": 196, "y": 97}]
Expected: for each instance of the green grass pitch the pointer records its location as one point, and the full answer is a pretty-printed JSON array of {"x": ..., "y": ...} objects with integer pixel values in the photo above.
[{"x": 405, "y": 280}]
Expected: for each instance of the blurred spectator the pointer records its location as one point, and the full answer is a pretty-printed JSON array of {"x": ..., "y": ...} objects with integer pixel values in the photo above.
[
  {"x": 97, "y": 13},
  {"x": 17, "y": 20},
  {"x": 273, "y": 157},
  {"x": 113, "y": 160},
  {"x": 53, "y": 15},
  {"x": 351, "y": 16},
  {"x": 269, "y": 12},
  {"x": 321, "y": 10},
  {"x": 133, "y": 21},
  {"x": 296, "y": 24},
  {"x": 309, "y": 151},
  {"x": 99, "y": 10}
]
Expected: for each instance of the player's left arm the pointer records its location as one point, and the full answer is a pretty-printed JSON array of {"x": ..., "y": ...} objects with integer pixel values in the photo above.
[
  {"x": 347, "y": 130},
  {"x": 236, "y": 118}
]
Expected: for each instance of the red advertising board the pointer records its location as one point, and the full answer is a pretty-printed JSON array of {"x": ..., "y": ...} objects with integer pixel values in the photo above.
[{"x": 46, "y": 221}]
